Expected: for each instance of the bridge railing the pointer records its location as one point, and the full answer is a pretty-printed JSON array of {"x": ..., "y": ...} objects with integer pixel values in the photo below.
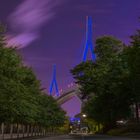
[{"x": 68, "y": 94}]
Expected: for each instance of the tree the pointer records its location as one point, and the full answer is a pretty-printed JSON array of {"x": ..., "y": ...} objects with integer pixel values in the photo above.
[
  {"x": 50, "y": 114},
  {"x": 16, "y": 98},
  {"x": 21, "y": 98},
  {"x": 89, "y": 74},
  {"x": 133, "y": 61},
  {"x": 105, "y": 80}
]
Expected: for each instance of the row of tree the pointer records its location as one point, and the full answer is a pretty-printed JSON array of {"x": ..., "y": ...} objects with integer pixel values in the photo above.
[
  {"x": 111, "y": 84},
  {"x": 21, "y": 99}
]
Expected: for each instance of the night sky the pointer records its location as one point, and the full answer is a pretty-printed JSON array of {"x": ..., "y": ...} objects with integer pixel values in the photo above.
[{"x": 53, "y": 32}]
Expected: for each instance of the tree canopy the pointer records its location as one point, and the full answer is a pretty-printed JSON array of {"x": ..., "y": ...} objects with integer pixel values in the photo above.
[
  {"x": 105, "y": 83},
  {"x": 21, "y": 97}
]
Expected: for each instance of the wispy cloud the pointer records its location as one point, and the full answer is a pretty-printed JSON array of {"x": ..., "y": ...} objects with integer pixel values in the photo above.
[{"x": 27, "y": 19}]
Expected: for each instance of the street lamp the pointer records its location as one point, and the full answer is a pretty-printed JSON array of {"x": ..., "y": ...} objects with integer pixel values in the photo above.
[{"x": 84, "y": 115}]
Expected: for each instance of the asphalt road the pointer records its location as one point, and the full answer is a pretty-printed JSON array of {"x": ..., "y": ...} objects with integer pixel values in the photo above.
[{"x": 83, "y": 137}]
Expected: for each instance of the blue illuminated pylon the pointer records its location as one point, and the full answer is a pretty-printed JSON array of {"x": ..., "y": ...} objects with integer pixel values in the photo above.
[
  {"x": 54, "y": 83},
  {"x": 89, "y": 43}
]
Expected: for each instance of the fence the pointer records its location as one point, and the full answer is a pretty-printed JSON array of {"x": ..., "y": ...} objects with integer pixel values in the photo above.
[{"x": 16, "y": 131}]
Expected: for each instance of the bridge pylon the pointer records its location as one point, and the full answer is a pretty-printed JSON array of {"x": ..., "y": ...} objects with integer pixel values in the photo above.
[
  {"x": 54, "y": 83},
  {"x": 89, "y": 43}
]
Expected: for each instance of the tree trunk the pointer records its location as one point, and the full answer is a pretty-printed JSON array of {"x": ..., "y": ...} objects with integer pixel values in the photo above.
[
  {"x": 38, "y": 131},
  {"x": 98, "y": 126},
  {"x": 11, "y": 131},
  {"x": 31, "y": 130},
  {"x": 28, "y": 129},
  {"x": 35, "y": 130},
  {"x": 2, "y": 130},
  {"x": 44, "y": 132},
  {"x": 23, "y": 130},
  {"x": 17, "y": 130},
  {"x": 41, "y": 131},
  {"x": 137, "y": 112}
]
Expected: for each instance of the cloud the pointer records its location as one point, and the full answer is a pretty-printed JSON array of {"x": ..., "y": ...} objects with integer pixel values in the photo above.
[{"x": 27, "y": 19}]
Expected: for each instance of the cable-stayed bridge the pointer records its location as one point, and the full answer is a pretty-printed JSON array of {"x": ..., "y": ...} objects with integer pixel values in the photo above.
[{"x": 67, "y": 95}]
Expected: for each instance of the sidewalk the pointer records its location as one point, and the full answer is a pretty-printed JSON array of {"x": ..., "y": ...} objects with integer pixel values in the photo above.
[{"x": 133, "y": 135}]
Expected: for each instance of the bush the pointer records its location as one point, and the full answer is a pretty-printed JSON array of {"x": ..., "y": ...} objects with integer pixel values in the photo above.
[
  {"x": 132, "y": 128},
  {"x": 117, "y": 131}
]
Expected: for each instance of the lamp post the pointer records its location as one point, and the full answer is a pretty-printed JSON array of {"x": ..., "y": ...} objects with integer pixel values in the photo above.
[{"x": 84, "y": 127}]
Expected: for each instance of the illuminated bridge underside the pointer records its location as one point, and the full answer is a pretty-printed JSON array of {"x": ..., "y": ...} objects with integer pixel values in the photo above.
[{"x": 67, "y": 96}]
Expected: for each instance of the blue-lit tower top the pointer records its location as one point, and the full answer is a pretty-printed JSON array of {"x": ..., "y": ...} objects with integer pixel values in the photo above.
[
  {"x": 89, "y": 43},
  {"x": 54, "y": 82}
]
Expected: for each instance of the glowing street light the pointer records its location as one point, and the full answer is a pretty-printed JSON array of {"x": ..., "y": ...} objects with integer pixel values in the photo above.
[{"x": 84, "y": 115}]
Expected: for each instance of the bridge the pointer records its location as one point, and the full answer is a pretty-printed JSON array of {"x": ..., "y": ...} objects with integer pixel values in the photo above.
[{"x": 67, "y": 95}]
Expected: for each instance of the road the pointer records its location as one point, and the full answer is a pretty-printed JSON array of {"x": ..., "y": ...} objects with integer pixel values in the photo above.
[{"x": 82, "y": 137}]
